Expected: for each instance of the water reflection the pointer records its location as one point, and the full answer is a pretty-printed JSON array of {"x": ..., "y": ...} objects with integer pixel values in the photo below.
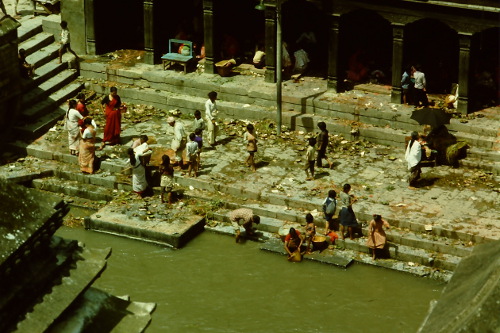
[{"x": 215, "y": 285}]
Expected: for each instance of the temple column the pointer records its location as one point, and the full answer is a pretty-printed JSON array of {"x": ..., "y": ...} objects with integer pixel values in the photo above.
[
  {"x": 397, "y": 62},
  {"x": 149, "y": 56},
  {"x": 333, "y": 54},
  {"x": 90, "y": 43},
  {"x": 463, "y": 72},
  {"x": 208, "y": 35},
  {"x": 270, "y": 35}
]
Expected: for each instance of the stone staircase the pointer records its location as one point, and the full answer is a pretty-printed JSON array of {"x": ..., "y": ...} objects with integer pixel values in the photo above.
[
  {"x": 413, "y": 246},
  {"x": 47, "y": 280},
  {"x": 356, "y": 114},
  {"x": 44, "y": 97}
]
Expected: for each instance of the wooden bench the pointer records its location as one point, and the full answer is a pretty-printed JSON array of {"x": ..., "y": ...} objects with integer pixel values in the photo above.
[
  {"x": 48, "y": 7},
  {"x": 173, "y": 57}
]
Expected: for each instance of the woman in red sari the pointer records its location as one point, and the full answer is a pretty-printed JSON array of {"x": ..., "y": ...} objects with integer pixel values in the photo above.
[
  {"x": 82, "y": 108},
  {"x": 112, "y": 105}
]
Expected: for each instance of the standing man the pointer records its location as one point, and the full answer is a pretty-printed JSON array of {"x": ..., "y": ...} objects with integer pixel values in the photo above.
[
  {"x": 322, "y": 146},
  {"x": 179, "y": 141},
  {"x": 243, "y": 218},
  {"x": 210, "y": 116},
  {"x": 420, "y": 86}
]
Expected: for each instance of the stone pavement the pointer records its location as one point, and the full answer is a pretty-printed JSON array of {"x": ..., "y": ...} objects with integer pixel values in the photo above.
[{"x": 460, "y": 199}]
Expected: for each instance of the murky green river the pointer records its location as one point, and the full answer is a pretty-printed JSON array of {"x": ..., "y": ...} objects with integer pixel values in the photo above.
[{"x": 215, "y": 285}]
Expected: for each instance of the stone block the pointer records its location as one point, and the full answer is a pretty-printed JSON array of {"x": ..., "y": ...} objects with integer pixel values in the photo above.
[
  {"x": 204, "y": 84},
  {"x": 112, "y": 166},
  {"x": 39, "y": 152},
  {"x": 131, "y": 74},
  {"x": 152, "y": 76},
  {"x": 94, "y": 75},
  {"x": 119, "y": 79},
  {"x": 175, "y": 81},
  {"x": 93, "y": 66}
]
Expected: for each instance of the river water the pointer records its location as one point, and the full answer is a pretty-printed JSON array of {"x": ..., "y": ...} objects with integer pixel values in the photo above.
[{"x": 215, "y": 285}]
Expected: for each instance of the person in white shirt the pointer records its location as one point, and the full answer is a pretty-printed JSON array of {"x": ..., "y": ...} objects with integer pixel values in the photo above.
[
  {"x": 141, "y": 149},
  {"x": 413, "y": 156},
  {"x": 65, "y": 41},
  {"x": 192, "y": 155},
  {"x": 301, "y": 61},
  {"x": 179, "y": 140},
  {"x": 420, "y": 87},
  {"x": 259, "y": 59},
  {"x": 198, "y": 122},
  {"x": 210, "y": 117}
]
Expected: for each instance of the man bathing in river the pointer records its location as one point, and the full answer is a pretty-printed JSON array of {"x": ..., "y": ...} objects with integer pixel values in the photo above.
[{"x": 243, "y": 218}]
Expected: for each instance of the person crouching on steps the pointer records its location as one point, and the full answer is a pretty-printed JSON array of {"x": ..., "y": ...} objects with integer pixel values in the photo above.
[{"x": 243, "y": 218}]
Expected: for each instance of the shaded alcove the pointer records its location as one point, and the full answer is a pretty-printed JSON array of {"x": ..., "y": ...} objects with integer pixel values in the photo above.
[
  {"x": 365, "y": 48},
  {"x": 485, "y": 69},
  {"x": 303, "y": 17},
  {"x": 186, "y": 24},
  {"x": 434, "y": 46},
  {"x": 119, "y": 24},
  {"x": 238, "y": 28}
]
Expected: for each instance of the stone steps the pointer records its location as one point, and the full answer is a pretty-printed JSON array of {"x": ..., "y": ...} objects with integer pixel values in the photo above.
[
  {"x": 17, "y": 298},
  {"x": 30, "y": 26},
  {"x": 44, "y": 73},
  {"x": 43, "y": 90},
  {"x": 73, "y": 188},
  {"x": 36, "y": 42},
  {"x": 236, "y": 92},
  {"x": 388, "y": 127},
  {"x": 403, "y": 246},
  {"x": 409, "y": 241},
  {"x": 52, "y": 84},
  {"x": 42, "y": 116},
  {"x": 88, "y": 268}
]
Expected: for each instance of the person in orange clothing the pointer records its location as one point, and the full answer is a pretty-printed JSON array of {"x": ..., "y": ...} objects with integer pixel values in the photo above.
[{"x": 376, "y": 234}]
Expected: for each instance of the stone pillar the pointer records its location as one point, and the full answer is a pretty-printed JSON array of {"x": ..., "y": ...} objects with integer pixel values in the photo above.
[
  {"x": 208, "y": 31},
  {"x": 463, "y": 72},
  {"x": 333, "y": 54},
  {"x": 90, "y": 43},
  {"x": 149, "y": 48},
  {"x": 270, "y": 35},
  {"x": 397, "y": 62},
  {"x": 10, "y": 78}
]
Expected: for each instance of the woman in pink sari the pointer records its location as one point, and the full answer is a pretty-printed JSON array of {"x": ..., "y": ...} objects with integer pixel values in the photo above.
[
  {"x": 112, "y": 105},
  {"x": 87, "y": 147}
]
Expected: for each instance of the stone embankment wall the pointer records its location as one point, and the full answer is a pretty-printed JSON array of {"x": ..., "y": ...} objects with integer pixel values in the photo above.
[
  {"x": 469, "y": 302},
  {"x": 355, "y": 114}
]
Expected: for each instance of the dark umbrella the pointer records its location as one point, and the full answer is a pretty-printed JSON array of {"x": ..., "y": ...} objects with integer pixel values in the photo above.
[{"x": 430, "y": 116}]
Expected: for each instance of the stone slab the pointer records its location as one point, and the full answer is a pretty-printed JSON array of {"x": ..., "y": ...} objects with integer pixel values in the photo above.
[
  {"x": 276, "y": 246},
  {"x": 176, "y": 234}
]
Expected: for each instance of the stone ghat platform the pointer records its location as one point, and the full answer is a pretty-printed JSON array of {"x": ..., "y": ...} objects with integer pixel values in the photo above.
[{"x": 166, "y": 230}]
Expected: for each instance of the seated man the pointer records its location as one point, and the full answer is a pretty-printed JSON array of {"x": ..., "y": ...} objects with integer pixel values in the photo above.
[
  {"x": 27, "y": 70},
  {"x": 243, "y": 218}
]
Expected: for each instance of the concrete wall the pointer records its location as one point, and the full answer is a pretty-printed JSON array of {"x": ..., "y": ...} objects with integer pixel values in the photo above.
[
  {"x": 10, "y": 78},
  {"x": 72, "y": 11}
]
